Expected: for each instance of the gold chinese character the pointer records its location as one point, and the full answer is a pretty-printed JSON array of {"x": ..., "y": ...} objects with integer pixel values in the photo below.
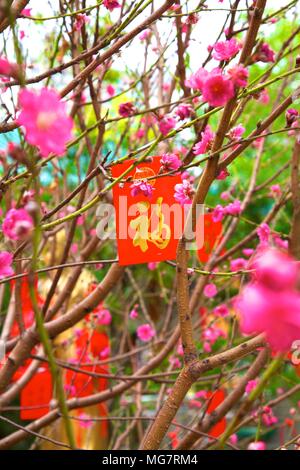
[{"x": 160, "y": 237}]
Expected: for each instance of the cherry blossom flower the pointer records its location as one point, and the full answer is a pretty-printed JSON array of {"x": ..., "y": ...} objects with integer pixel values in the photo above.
[
  {"x": 234, "y": 439},
  {"x": 270, "y": 304},
  {"x": 217, "y": 89},
  {"x": 85, "y": 421},
  {"x": 248, "y": 252},
  {"x": 234, "y": 208},
  {"x": 275, "y": 190},
  {"x": 221, "y": 310},
  {"x": 169, "y": 162},
  {"x": 133, "y": 314},
  {"x": 6, "y": 68},
  {"x": 126, "y": 109},
  {"x": 251, "y": 385},
  {"x": 80, "y": 20},
  {"x": 265, "y": 54},
  {"x": 5, "y": 264},
  {"x": 226, "y": 50},
  {"x": 46, "y": 123},
  {"x": 210, "y": 290},
  {"x": 257, "y": 445},
  {"x": 239, "y": 76},
  {"x": 291, "y": 116},
  {"x": 183, "y": 111},
  {"x": 275, "y": 269},
  {"x": 218, "y": 213},
  {"x": 111, "y": 4},
  {"x": 152, "y": 265},
  {"x": 238, "y": 264},
  {"x": 141, "y": 186},
  {"x": 26, "y": 12},
  {"x": 263, "y": 233},
  {"x": 17, "y": 224},
  {"x": 184, "y": 193},
  {"x": 110, "y": 90},
  {"x": 103, "y": 317},
  {"x": 207, "y": 138},
  {"x": 197, "y": 79},
  {"x": 145, "y": 332},
  {"x": 166, "y": 124},
  {"x": 237, "y": 132},
  {"x": 223, "y": 174},
  {"x": 145, "y": 35}
]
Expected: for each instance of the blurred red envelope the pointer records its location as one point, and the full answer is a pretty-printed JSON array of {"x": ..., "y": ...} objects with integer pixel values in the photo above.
[{"x": 146, "y": 229}]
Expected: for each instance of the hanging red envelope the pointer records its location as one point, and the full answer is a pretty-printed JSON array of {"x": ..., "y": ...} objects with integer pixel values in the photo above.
[
  {"x": 215, "y": 399},
  {"x": 147, "y": 230},
  {"x": 36, "y": 395},
  {"x": 212, "y": 237}
]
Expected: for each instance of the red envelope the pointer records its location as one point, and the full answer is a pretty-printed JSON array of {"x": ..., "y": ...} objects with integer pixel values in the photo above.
[
  {"x": 37, "y": 394},
  {"x": 215, "y": 399},
  {"x": 153, "y": 230},
  {"x": 212, "y": 237}
]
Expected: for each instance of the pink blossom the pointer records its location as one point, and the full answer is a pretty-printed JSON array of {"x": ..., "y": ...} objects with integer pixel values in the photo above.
[
  {"x": 152, "y": 265},
  {"x": 210, "y": 290},
  {"x": 26, "y": 12},
  {"x": 141, "y": 186},
  {"x": 282, "y": 244},
  {"x": 5, "y": 66},
  {"x": 251, "y": 385},
  {"x": 5, "y": 264},
  {"x": 275, "y": 269},
  {"x": 207, "y": 138},
  {"x": 265, "y": 54},
  {"x": 126, "y": 109},
  {"x": 103, "y": 317},
  {"x": 166, "y": 124},
  {"x": 268, "y": 417},
  {"x": 234, "y": 439},
  {"x": 184, "y": 193},
  {"x": 257, "y": 445},
  {"x": 234, "y": 208},
  {"x": 110, "y": 90},
  {"x": 237, "y": 132},
  {"x": 46, "y": 123},
  {"x": 183, "y": 111},
  {"x": 225, "y": 195},
  {"x": 80, "y": 20},
  {"x": 221, "y": 310},
  {"x": 217, "y": 89},
  {"x": 133, "y": 314},
  {"x": 17, "y": 224},
  {"x": 275, "y": 190},
  {"x": 145, "y": 332},
  {"x": 223, "y": 174},
  {"x": 248, "y": 252},
  {"x": 197, "y": 79},
  {"x": 264, "y": 97},
  {"x": 271, "y": 304},
  {"x": 226, "y": 50},
  {"x": 218, "y": 213},
  {"x": 239, "y": 76},
  {"x": 85, "y": 421},
  {"x": 111, "y": 4},
  {"x": 291, "y": 116},
  {"x": 175, "y": 362},
  {"x": 145, "y": 35},
  {"x": 263, "y": 233},
  {"x": 201, "y": 394},
  {"x": 170, "y": 162},
  {"x": 238, "y": 264}
]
